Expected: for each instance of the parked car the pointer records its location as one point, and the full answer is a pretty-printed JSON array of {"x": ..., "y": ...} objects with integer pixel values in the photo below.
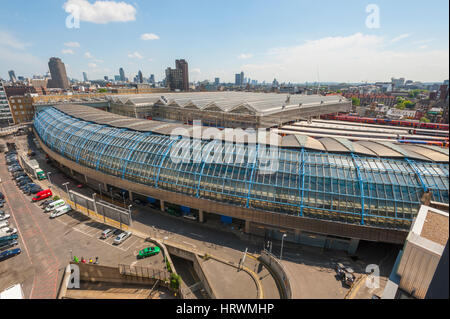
[
  {"x": 121, "y": 237},
  {"x": 9, "y": 253},
  {"x": 107, "y": 233},
  {"x": 19, "y": 174},
  {"x": 41, "y": 195},
  {"x": 8, "y": 244},
  {"x": 7, "y": 231},
  {"x": 45, "y": 203},
  {"x": 4, "y": 217},
  {"x": 2, "y": 197},
  {"x": 35, "y": 190},
  {"x": 60, "y": 211},
  {"x": 4, "y": 224},
  {"x": 24, "y": 182},
  {"x": 16, "y": 169},
  {"x": 8, "y": 238},
  {"x": 147, "y": 252}
]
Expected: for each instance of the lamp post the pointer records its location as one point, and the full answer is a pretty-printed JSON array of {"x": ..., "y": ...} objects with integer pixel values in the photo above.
[
  {"x": 67, "y": 188},
  {"x": 129, "y": 212},
  {"x": 282, "y": 239},
  {"x": 48, "y": 175},
  {"x": 100, "y": 189}
]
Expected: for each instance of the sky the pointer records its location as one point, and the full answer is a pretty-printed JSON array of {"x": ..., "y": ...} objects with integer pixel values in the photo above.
[{"x": 291, "y": 40}]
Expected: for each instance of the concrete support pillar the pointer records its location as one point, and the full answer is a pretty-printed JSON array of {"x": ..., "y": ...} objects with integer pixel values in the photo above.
[
  {"x": 247, "y": 227},
  {"x": 105, "y": 187},
  {"x": 297, "y": 233},
  {"x": 71, "y": 171},
  {"x": 130, "y": 193},
  {"x": 162, "y": 206},
  {"x": 200, "y": 216},
  {"x": 85, "y": 179},
  {"x": 353, "y": 246}
]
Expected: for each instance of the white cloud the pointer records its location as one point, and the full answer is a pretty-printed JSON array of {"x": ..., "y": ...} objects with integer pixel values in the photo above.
[
  {"x": 67, "y": 51},
  {"x": 400, "y": 37},
  {"x": 352, "y": 58},
  {"x": 101, "y": 12},
  {"x": 88, "y": 55},
  {"x": 149, "y": 36},
  {"x": 92, "y": 65},
  {"x": 135, "y": 55},
  {"x": 196, "y": 70},
  {"x": 72, "y": 44},
  {"x": 245, "y": 56},
  {"x": 7, "y": 39}
]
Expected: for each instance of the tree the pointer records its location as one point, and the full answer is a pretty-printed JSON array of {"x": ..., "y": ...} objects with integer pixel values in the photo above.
[
  {"x": 424, "y": 119},
  {"x": 356, "y": 101},
  {"x": 102, "y": 90}
]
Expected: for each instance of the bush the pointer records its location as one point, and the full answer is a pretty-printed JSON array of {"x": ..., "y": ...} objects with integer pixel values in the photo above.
[
  {"x": 174, "y": 281},
  {"x": 169, "y": 269},
  {"x": 56, "y": 198}
]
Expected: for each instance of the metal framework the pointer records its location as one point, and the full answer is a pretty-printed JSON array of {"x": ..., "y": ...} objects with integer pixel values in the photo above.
[{"x": 345, "y": 188}]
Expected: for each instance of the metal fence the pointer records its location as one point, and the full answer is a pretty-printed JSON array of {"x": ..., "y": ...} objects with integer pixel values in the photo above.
[
  {"x": 143, "y": 272},
  {"x": 103, "y": 209}
]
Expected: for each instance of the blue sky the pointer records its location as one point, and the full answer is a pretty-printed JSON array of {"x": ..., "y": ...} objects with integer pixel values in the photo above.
[{"x": 291, "y": 40}]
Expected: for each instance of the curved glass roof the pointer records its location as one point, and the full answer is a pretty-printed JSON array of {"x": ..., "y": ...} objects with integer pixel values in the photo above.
[{"x": 338, "y": 187}]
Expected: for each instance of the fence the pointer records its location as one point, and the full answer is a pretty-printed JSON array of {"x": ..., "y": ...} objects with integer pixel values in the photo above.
[
  {"x": 279, "y": 271},
  {"x": 100, "y": 210},
  {"x": 143, "y": 272}
]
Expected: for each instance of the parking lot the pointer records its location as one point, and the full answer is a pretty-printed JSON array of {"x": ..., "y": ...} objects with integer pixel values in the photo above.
[{"x": 47, "y": 244}]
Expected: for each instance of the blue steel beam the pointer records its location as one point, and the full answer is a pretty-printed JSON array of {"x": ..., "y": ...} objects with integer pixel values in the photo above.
[
  {"x": 201, "y": 171},
  {"x": 250, "y": 181},
  {"x": 419, "y": 176},
  {"x": 301, "y": 173},
  {"x": 70, "y": 134},
  {"x": 106, "y": 144},
  {"x": 86, "y": 139},
  {"x": 132, "y": 150},
  {"x": 169, "y": 147},
  {"x": 361, "y": 186}
]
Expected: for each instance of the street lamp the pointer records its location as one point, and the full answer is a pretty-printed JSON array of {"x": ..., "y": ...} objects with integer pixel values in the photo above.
[
  {"x": 282, "y": 238},
  {"x": 67, "y": 188},
  {"x": 129, "y": 212},
  {"x": 48, "y": 174}
]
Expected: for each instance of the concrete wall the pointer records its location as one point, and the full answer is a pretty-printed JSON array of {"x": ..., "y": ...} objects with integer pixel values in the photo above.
[
  {"x": 197, "y": 266},
  {"x": 278, "y": 270}
]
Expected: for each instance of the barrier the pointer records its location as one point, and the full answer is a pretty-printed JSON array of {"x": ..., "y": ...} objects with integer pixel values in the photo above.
[{"x": 279, "y": 272}]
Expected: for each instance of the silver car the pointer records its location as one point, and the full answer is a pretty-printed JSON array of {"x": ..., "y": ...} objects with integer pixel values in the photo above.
[{"x": 122, "y": 237}]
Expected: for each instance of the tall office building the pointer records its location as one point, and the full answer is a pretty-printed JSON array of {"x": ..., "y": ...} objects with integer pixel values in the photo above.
[
  {"x": 140, "y": 77},
  {"x": 5, "y": 111},
  {"x": 178, "y": 79},
  {"x": 239, "y": 79},
  {"x": 85, "y": 77},
  {"x": 152, "y": 79},
  {"x": 216, "y": 81},
  {"x": 122, "y": 75},
  {"x": 58, "y": 73},
  {"x": 12, "y": 76}
]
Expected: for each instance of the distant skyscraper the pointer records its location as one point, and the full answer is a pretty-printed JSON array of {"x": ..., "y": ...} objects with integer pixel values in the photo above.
[
  {"x": 58, "y": 73},
  {"x": 85, "y": 77},
  {"x": 106, "y": 78},
  {"x": 117, "y": 78},
  {"x": 122, "y": 75},
  {"x": 216, "y": 81},
  {"x": 152, "y": 79},
  {"x": 12, "y": 76},
  {"x": 239, "y": 79},
  {"x": 178, "y": 79},
  {"x": 140, "y": 77},
  {"x": 183, "y": 66}
]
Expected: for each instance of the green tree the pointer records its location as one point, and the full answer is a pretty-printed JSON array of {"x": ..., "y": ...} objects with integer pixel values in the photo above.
[
  {"x": 102, "y": 90},
  {"x": 424, "y": 119},
  {"x": 356, "y": 101}
]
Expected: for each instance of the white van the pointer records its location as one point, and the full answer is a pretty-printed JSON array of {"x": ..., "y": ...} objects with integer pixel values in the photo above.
[
  {"x": 60, "y": 211},
  {"x": 54, "y": 205}
]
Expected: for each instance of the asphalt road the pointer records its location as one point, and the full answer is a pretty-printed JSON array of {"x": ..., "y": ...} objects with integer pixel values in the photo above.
[{"x": 47, "y": 245}]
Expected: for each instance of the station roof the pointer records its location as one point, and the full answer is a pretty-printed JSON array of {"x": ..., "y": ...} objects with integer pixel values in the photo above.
[
  {"x": 254, "y": 103},
  {"x": 326, "y": 144}
]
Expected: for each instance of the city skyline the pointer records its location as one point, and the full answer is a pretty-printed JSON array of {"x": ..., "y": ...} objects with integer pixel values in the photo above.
[{"x": 268, "y": 44}]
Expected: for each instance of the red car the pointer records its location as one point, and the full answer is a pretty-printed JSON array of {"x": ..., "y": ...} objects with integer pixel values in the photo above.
[{"x": 42, "y": 195}]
